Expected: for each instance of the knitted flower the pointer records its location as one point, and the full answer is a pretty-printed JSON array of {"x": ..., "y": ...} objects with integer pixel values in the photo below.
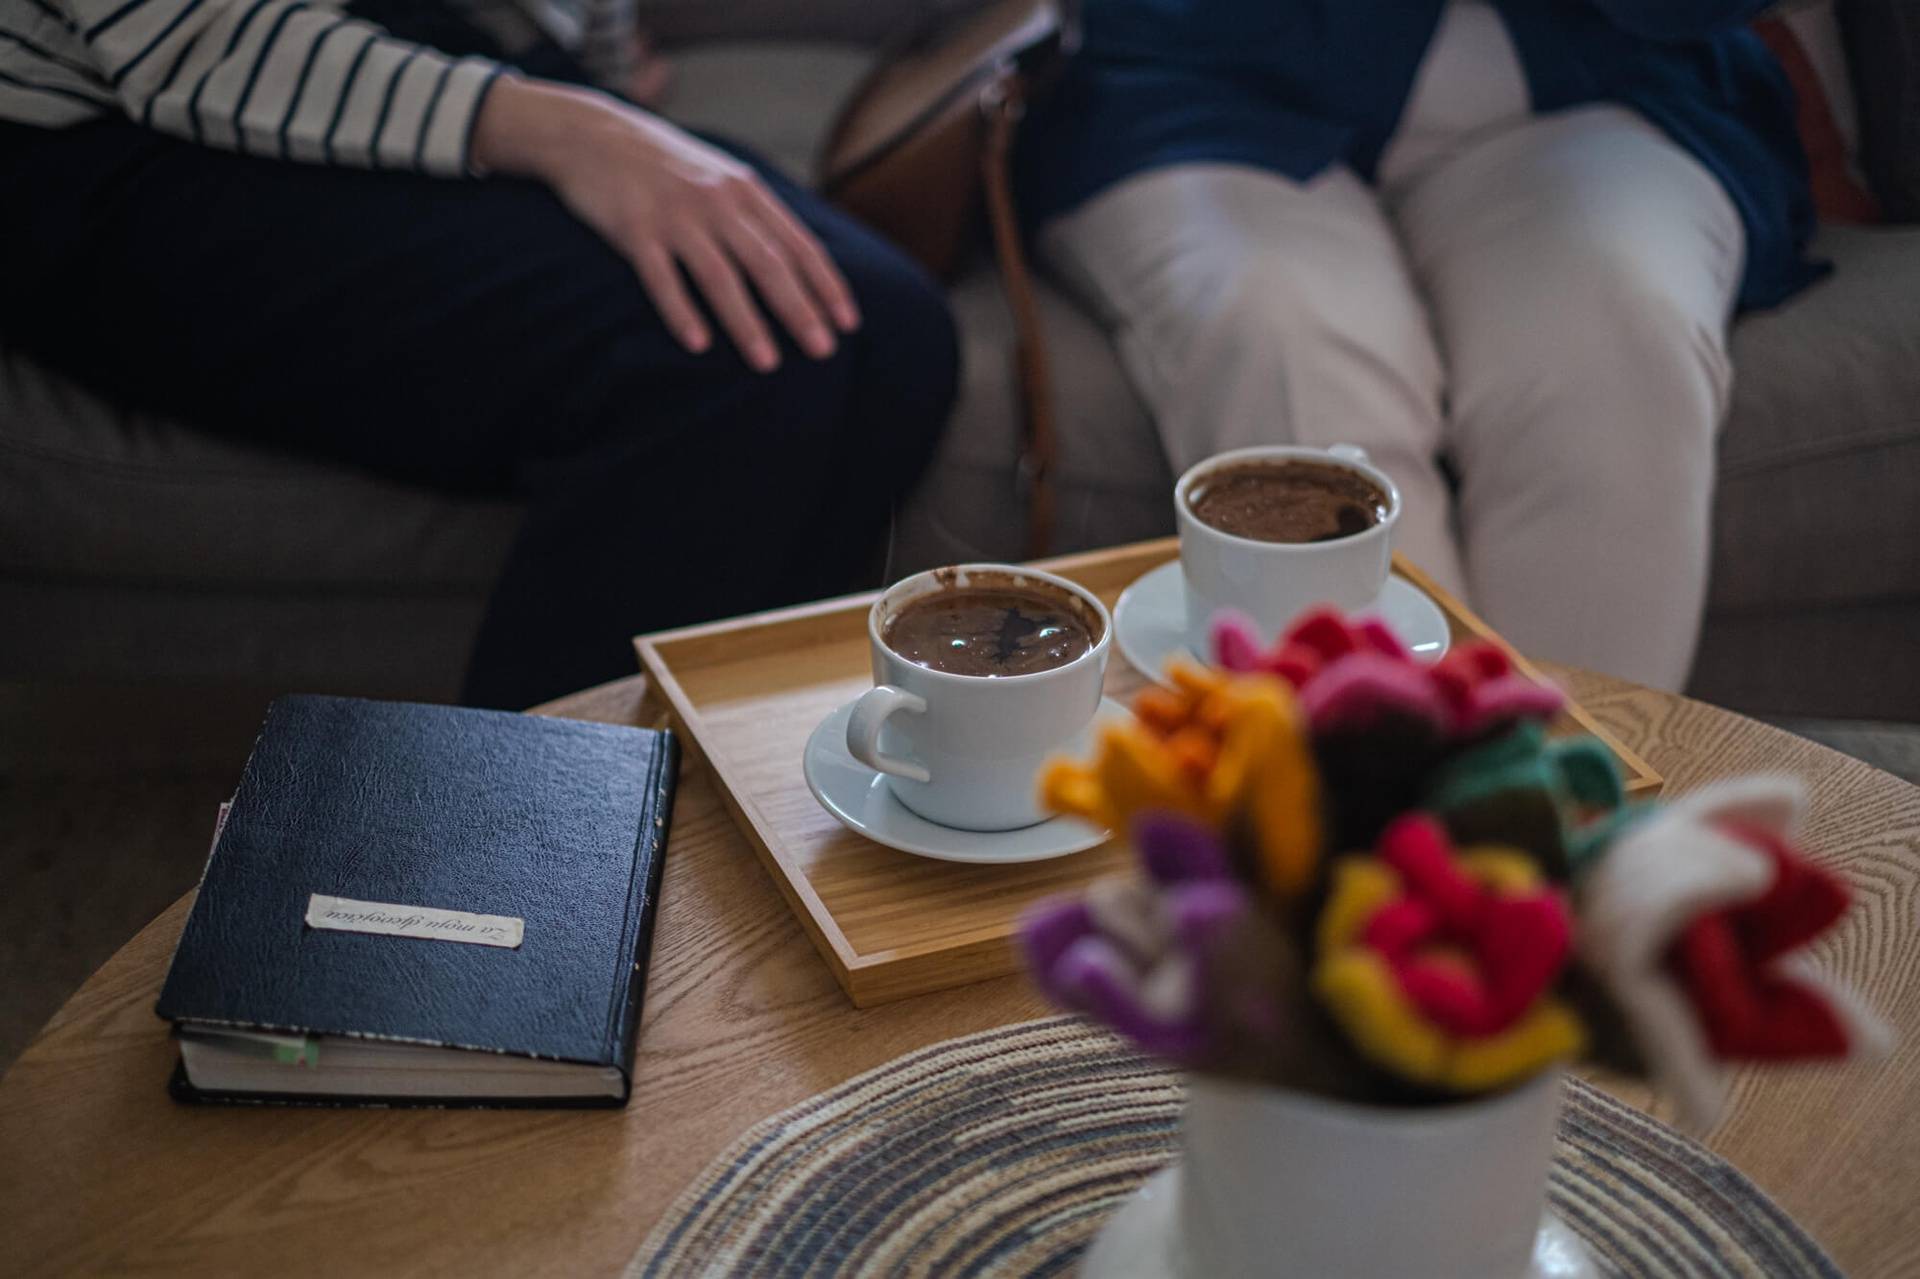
[
  {"x": 1485, "y": 694},
  {"x": 1381, "y": 720},
  {"x": 1314, "y": 642},
  {"x": 1352, "y": 676},
  {"x": 1439, "y": 965},
  {"x": 1692, "y": 920},
  {"x": 1553, "y": 799},
  {"x": 1182, "y": 962},
  {"x": 1223, "y": 750}
]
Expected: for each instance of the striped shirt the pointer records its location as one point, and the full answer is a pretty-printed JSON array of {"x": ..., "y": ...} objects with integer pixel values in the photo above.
[{"x": 292, "y": 79}]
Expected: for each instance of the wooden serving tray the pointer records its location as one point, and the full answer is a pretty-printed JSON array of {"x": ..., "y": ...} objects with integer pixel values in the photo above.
[{"x": 745, "y": 695}]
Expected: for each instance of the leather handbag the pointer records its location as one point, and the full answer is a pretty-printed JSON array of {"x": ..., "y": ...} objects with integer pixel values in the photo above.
[{"x": 922, "y": 152}]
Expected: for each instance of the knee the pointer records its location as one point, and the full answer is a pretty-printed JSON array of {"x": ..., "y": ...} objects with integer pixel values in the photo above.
[
  {"x": 1607, "y": 324},
  {"x": 1671, "y": 325},
  {"x": 1616, "y": 376}
]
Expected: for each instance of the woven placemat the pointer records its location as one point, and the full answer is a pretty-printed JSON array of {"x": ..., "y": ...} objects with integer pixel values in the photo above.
[{"x": 1004, "y": 1152}]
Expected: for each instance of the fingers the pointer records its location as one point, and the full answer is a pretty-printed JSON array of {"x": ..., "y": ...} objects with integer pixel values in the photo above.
[
  {"x": 720, "y": 283},
  {"x": 804, "y": 249},
  {"x": 736, "y": 240},
  {"x": 660, "y": 276},
  {"x": 779, "y": 286}
]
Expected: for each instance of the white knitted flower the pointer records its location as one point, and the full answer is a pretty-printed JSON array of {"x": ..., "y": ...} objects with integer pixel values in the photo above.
[{"x": 1658, "y": 877}]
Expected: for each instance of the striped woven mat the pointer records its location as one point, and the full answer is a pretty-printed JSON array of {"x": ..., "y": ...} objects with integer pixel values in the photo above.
[{"x": 1004, "y": 1152}]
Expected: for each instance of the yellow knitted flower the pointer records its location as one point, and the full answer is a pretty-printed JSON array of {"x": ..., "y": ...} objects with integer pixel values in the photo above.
[
  {"x": 1438, "y": 965},
  {"x": 1217, "y": 748}
]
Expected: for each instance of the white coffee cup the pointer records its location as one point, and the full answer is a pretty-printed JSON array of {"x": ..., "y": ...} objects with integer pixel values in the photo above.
[
  {"x": 1275, "y": 582},
  {"x": 964, "y": 750}
]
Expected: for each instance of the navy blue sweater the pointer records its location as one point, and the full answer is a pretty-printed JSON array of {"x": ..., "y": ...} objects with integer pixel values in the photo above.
[{"x": 1297, "y": 85}]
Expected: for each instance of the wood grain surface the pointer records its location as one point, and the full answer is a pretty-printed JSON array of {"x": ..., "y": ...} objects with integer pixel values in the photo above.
[
  {"x": 99, "y": 1171},
  {"x": 748, "y": 693}
]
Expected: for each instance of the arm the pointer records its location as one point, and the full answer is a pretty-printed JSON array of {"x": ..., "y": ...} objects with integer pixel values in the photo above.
[
  {"x": 1680, "y": 19},
  {"x": 277, "y": 78}
]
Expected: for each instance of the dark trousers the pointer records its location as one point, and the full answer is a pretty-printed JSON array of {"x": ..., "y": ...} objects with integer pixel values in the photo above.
[{"x": 475, "y": 337}]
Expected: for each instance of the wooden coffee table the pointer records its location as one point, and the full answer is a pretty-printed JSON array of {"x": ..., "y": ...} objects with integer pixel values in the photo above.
[{"x": 99, "y": 1171}]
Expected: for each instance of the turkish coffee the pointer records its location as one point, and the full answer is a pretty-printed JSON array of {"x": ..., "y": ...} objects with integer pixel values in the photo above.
[
  {"x": 992, "y": 628},
  {"x": 1288, "y": 500}
]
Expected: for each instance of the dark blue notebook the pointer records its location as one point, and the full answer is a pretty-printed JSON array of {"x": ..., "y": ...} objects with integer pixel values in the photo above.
[{"x": 425, "y": 905}]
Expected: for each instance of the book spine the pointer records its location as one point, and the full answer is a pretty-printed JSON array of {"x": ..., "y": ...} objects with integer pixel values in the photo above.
[{"x": 650, "y": 855}]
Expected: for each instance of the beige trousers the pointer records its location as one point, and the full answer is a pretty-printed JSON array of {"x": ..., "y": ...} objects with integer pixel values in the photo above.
[{"x": 1546, "y": 305}]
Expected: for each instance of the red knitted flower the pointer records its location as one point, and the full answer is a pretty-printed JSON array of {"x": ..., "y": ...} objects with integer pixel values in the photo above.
[
  {"x": 1440, "y": 964},
  {"x": 1693, "y": 924},
  {"x": 1726, "y": 961},
  {"x": 1470, "y": 956}
]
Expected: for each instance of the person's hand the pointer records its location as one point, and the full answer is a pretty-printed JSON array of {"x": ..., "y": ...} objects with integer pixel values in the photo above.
[{"x": 667, "y": 202}]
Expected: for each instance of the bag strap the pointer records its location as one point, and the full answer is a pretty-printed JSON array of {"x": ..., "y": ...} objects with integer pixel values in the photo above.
[{"x": 1002, "y": 103}]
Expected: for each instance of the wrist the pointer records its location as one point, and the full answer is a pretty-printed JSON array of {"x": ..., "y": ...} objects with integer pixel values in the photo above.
[{"x": 527, "y": 128}]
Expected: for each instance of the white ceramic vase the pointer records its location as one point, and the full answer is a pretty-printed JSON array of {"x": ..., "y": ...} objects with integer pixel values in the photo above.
[{"x": 1271, "y": 1182}]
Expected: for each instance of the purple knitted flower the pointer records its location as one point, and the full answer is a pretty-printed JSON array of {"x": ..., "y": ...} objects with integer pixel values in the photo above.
[{"x": 1162, "y": 960}]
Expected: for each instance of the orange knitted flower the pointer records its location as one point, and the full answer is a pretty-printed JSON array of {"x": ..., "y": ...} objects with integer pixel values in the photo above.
[{"x": 1218, "y": 748}]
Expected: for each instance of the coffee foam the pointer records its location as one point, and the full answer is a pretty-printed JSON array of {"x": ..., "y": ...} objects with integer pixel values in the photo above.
[
  {"x": 1293, "y": 501},
  {"x": 962, "y": 577}
]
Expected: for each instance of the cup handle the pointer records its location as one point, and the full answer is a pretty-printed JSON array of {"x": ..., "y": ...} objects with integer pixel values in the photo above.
[
  {"x": 874, "y": 708},
  {"x": 1350, "y": 453}
]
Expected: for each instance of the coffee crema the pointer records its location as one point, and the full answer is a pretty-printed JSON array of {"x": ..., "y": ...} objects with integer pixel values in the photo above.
[
  {"x": 989, "y": 630},
  {"x": 1289, "y": 500}
]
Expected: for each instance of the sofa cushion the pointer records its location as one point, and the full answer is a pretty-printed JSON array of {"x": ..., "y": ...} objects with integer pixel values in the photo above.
[
  {"x": 1820, "y": 460},
  {"x": 778, "y": 99},
  {"x": 1852, "y": 662},
  {"x": 1112, "y": 483},
  {"x": 373, "y": 643},
  {"x": 90, "y": 492},
  {"x": 1106, "y": 439}
]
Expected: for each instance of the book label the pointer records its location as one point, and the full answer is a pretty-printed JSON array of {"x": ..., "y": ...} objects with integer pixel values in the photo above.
[{"x": 343, "y": 914}]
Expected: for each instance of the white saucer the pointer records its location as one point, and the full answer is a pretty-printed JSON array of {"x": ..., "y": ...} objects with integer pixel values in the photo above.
[
  {"x": 1150, "y": 621},
  {"x": 863, "y": 803}
]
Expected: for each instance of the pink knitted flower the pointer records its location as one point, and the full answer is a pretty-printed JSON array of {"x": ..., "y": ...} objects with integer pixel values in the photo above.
[{"x": 1356, "y": 676}]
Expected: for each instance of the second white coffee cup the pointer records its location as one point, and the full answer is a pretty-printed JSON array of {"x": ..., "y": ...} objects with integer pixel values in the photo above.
[
  {"x": 964, "y": 750},
  {"x": 1275, "y": 582}
]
